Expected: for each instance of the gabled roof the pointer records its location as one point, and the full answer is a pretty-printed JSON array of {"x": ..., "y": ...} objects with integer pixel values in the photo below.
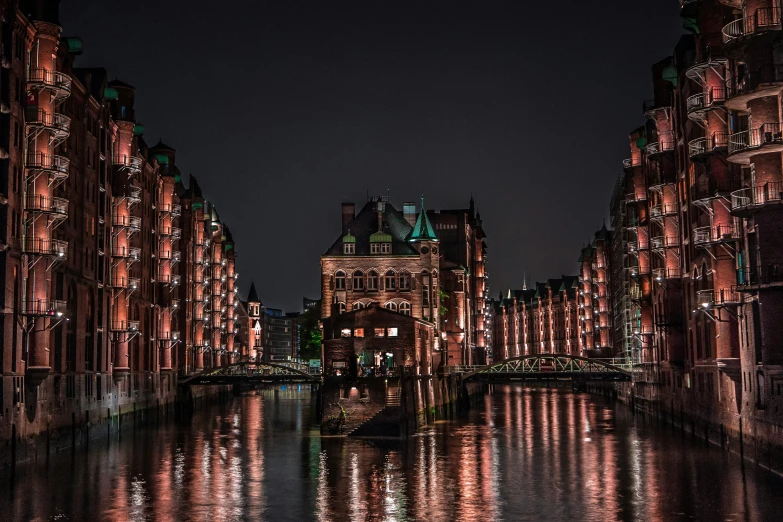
[
  {"x": 120, "y": 83},
  {"x": 365, "y": 225},
  {"x": 422, "y": 230},
  {"x": 252, "y": 295}
]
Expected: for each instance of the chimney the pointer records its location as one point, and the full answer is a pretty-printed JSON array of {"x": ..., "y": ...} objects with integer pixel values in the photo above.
[
  {"x": 349, "y": 211},
  {"x": 380, "y": 207},
  {"x": 409, "y": 211}
]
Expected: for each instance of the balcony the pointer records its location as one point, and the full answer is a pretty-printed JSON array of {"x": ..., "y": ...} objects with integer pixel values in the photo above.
[
  {"x": 173, "y": 232},
  {"x": 706, "y": 58},
  {"x": 661, "y": 274},
  {"x": 56, "y": 82},
  {"x": 760, "y": 278},
  {"x": 174, "y": 210},
  {"x": 743, "y": 145},
  {"x": 717, "y": 299},
  {"x": 707, "y": 236},
  {"x": 56, "y": 207},
  {"x": 661, "y": 242},
  {"x": 45, "y": 247},
  {"x": 56, "y": 167},
  {"x": 124, "y": 252},
  {"x": 663, "y": 210},
  {"x": 650, "y": 109},
  {"x": 632, "y": 162},
  {"x": 132, "y": 223},
  {"x": 170, "y": 255},
  {"x": 169, "y": 279},
  {"x": 635, "y": 197},
  {"x": 133, "y": 194},
  {"x": 763, "y": 20},
  {"x": 745, "y": 200},
  {"x": 130, "y": 163},
  {"x": 124, "y": 326},
  {"x": 700, "y": 104},
  {"x": 664, "y": 144},
  {"x": 764, "y": 81},
  {"x": 43, "y": 308},
  {"x": 700, "y": 148},
  {"x": 167, "y": 335},
  {"x": 58, "y": 125},
  {"x": 128, "y": 283},
  {"x": 705, "y": 191}
]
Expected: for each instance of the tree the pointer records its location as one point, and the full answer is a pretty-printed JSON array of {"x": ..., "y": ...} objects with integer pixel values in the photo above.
[{"x": 310, "y": 334}]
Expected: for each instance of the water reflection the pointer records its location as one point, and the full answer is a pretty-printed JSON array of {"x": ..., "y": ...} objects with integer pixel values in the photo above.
[{"x": 526, "y": 454}]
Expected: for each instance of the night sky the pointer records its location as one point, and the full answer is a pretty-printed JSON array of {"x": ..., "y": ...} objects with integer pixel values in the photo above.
[{"x": 283, "y": 110}]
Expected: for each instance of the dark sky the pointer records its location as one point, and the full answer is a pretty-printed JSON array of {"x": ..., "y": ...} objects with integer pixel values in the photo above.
[{"x": 283, "y": 109}]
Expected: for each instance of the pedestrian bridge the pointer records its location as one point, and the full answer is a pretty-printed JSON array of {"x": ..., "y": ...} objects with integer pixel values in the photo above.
[
  {"x": 547, "y": 367},
  {"x": 253, "y": 372}
]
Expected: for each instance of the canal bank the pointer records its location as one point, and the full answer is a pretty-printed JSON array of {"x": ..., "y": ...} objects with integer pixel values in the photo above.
[{"x": 64, "y": 412}]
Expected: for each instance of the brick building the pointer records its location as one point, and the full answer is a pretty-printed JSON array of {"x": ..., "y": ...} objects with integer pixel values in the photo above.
[{"x": 105, "y": 296}]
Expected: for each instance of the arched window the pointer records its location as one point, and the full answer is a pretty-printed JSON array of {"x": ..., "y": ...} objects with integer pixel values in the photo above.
[
  {"x": 405, "y": 308},
  {"x": 358, "y": 280},
  {"x": 405, "y": 281},
  {"x": 358, "y": 306},
  {"x": 339, "y": 280},
  {"x": 341, "y": 308},
  {"x": 390, "y": 280},
  {"x": 391, "y": 306},
  {"x": 372, "y": 280}
]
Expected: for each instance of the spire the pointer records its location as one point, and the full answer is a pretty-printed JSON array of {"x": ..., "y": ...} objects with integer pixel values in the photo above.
[
  {"x": 422, "y": 230},
  {"x": 252, "y": 295},
  {"x": 524, "y": 280}
]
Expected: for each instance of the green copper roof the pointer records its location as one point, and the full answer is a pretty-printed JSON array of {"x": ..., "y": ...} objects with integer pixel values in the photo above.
[
  {"x": 348, "y": 238},
  {"x": 422, "y": 230},
  {"x": 162, "y": 159},
  {"x": 138, "y": 129},
  {"x": 380, "y": 237},
  {"x": 110, "y": 93},
  {"x": 74, "y": 44},
  {"x": 197, "y": 205}
]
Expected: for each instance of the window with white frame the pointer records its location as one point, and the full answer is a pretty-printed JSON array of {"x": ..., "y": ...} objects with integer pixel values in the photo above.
[
  {"x": 358, "y": 280},
  {"x": 358, "y": 306},
  {"x": 349, "y": 248},
  {"x": 339, "y": 280},
  {"x": 405, "y": 281},
  {"x": 341, "y": 308},
  {"x": 385, "y": 248},
  {"x": 405, "y": 308},
  {"x": 391, "y": 280},
  {"x": 391, "y": 306},
  {"x": 372, "y": 280}
]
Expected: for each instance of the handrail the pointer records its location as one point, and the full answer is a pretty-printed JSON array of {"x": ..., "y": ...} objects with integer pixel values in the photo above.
[
  {"x": 56, "y": 79},
  {"x": 49, "y": 162},
  {"x": 751, "y": 80},
  {"x": 766, "y": 134},
  {"x": 40, "y": 203},
  {"x": 43, "y": 307},
  {"x": 715, "y": 234},
  {"x": 763, "y": 18},
  {"x": 46, "y": 247},
  {"x": 764, "y": 275},
  {"x": 132, "y": 222},
  {"x": 759, "y": 195}
]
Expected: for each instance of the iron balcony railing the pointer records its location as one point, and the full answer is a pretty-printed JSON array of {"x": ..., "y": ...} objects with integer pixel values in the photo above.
[
  {"x": 712, "y": 188},
  {"x": 665, "y": 143},
  {"x": 125, "y": 252},
  {"x": 763, "y": 19},
  {"x": 130, "y": 222},
  {"x": 43, "y": 307},
  {"x": 749, "y": 81},
  {"x": 173, "y": 209},
  {"x": 664, "y": 242},
  {"x": 169, "y": 279},
  {"x": 45, "y": 247},
  {"x": 58, "y": 124},
  {"x": 124, "y": 326},
  {"x": 718, "y": 298},
  {"x": 756, "y": 276},
  {"x": 57, "y": 166},
  {"x": 631, "y": 162},
  {"x": 131, "y": 283},
  {"x": 706, "y": 100},
  {"x": 173, "y": 232},
  {"x": 128, "y": 162},
  {"x": 663, "y": 209},
  {"x": 133, "y": 193},
  {"x": 46, "y": 204},
  {"x": 666, "y": 273},
  {"x": 771, "y": 192},
  {"x": 168, "y": 335},
  {"x": 701, "y": 146},
  {"x": 44, "y": 78},
  {"x": 767, "y": 134},
  {"x": 715, "y": 234}
]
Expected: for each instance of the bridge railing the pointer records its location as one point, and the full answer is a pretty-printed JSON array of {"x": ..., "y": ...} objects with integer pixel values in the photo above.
[{"x": 620, "y": 362}]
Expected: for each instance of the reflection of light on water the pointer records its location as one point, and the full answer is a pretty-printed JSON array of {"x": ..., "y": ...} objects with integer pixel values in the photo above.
[
  {"x": 138, "y": 499},
  {"x": 179, "y": 467},
  {"x": 322, "y": 490}
]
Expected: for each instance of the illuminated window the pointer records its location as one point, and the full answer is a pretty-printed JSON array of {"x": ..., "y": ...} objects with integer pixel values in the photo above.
[
  {"x": 345, "y": 332},
  {"x": 392, "y": 332},
  {"x": 390, "y": 280},
  {"x": 405, "y": 308},
  {"x": 339, "y": 280},
  {"x": 358, "y": 280},
  {"x": 359, "y": 332},
  {"x": 372, "y": 280},
  {"x": 391, "y": 306},
  {"x": 380, "y": 332}
]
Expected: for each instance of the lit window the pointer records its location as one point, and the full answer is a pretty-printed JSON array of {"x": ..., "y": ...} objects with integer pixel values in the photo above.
[
  {"x": 380, "y": 332},
  {"x": 359, "y": 332},
  {"x": 405, "y": 308},
  {"x": 390, "y": 280},
  {"x": 358, "y": 280},
  {"x": 345, "y": 332},
  {"x": 392, "y": 332},
  {"x": 372, "y": 280},
  {"x": 349, "y": 248},
  {"x": 339, "y": 280},
  {"x": 391, "y": 306}
]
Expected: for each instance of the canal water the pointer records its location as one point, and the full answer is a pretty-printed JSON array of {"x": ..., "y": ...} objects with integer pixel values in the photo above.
[{"x": 524, "y": 454}]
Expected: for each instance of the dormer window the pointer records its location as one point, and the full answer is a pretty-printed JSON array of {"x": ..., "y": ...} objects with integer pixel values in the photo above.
[
  {"x": 349, "y": 248},
  {"x": 380, "y": 243}
]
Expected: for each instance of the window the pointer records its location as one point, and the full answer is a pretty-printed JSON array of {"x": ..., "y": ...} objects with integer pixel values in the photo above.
[
  {"x": 349, "y": 248},
  {"x": 405, "y": 281},
  {"x": 358, "y": 306},
  {"x": 341, "y": 308},
  {"x": 391, "y": 306},
  {"x": 375, "y": 248},
  {"x": 405, "y": 308},
  {"x": 358, "y": 280},
  {"x": 345, "y": 332},
  {"x": 392, "y": 332},
  {"x": 339, "y": 280},
  {"x": 372, "y": 280},
  {"x": 380, "y": 332},
  {"x": 359, "y": 332},
  {"x": 385, "y": 248},
  {"x": 390, "y": 280}
]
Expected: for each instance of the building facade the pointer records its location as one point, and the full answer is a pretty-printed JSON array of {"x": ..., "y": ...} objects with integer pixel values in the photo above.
[{"x": 104, "y": 298}]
